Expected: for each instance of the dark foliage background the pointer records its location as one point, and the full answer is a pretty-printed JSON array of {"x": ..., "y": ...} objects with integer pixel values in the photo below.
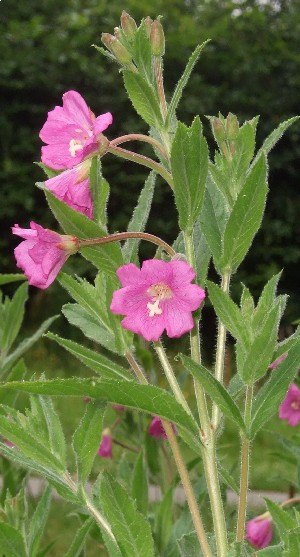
[{"x": 251, "y": 66}]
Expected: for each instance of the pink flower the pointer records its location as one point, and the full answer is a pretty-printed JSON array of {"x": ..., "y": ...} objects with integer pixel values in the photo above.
[
  {"x": 156, "y": 297},
  {"x": 278, "y": 361},
  {"x": 43, "y": 253},
  {"x": 118, "y": 407},
  {"x": 71, "y": 132},
  {"x": 73, "y": 187},
  {"x": 290, "y": 407},
  {"x": 259, "y": 531},
  {"x": 105, "y": 449},
  {"x": 156, "y": 428}
]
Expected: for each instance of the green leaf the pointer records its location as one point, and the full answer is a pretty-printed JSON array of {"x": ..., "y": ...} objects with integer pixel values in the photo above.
[
  {"x": 80, "y": 539},
  {"x": 272, "y": 551},
  {"x": 245, "y": 217},
  {"x": 123, "y": 338},
  {"x": 286, "y": 344},
  {"x": 142, "y": 53},
  {"x": 11, "y": 541},
  {"x": 201, "y": 249},
  {"x": 100, "y": 193},
  {"x": 139, "y": 219},
  {"x": 38, "y": 522},
  {"x": 244, "y": 146},
  {"x": 215, "y": 390},
  {"x": 56, "y": 479},
  {"x": 14, "y": 314},
  {"x": 274, "y": 136},
  {"x": 269, "y": 397},
  {"x": 139, "y": 489},
  {"x": 105, "y": 367},
  {"x": 148, "y": 398},
  {"x": 87, "y": 438},
  {"x": 292, "y": 543},
  {"x": 130, "y": 528},
  {"x": 85, "y": 294},
  {"x": 17, "y": 373},
  {"x": 228, "y": 479},
  {"x": 283, "y": 520},
  {"x": 247, "y": 306},
  {"x": 265, "y": 302},
  {"x": 43, "y": 408},
  {"x": 260, "y": 352},
  {"x": 6, "y": 278},
  {"x": 107, "y": 257},
  {"x": 213, "y": 218},
  {"x": 228, "y": 312},
  {"x": 143, "y": 98},
  {"x": 189, "y": 163},
  {"x": 91, "y": 328},
  {"x": 27, "y": 343},
  {"x": 164, "y": 519},
  {"x": 182, "y": 83}
]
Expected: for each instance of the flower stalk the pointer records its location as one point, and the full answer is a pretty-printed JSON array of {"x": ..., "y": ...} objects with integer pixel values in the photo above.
[
  {"x": 120, "y": 236},
  {"x": 244, "y": 475}
]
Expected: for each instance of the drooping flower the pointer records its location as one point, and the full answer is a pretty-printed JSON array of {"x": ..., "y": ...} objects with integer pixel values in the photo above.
[
  {"x": 71, "y": 132},
  {"x": 290, "y": 407},
  {"x": 43, "y": 253},
  {"x": 105, "y": 449},
  {"x": 156, "y": 297},
  {"x": 73, "y": 187},
  {"x": 278, "y": 361},
  {"x": 156, "y": 429},
  {"x": 259, "y": 531}
]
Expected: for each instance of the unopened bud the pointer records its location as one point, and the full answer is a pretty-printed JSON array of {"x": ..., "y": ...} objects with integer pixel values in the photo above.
[
  {"x": 218, "y": 129},
  {"x": 128, "y": 25},
  {"x": 116, "y": 48},
  {"x": 117, "y": 32},
  {"x": 157, "y": 38},
  {"x": 148, "y": 23},
  {"x": 232, "y": 126},
  {"x": 70, "y": 244}
]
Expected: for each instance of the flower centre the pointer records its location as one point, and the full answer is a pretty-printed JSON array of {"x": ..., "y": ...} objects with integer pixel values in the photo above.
[
  {"x": 74, "y": 146},
  {"x": 295, "y": 405},
  {"x": 158, "y": 292}
]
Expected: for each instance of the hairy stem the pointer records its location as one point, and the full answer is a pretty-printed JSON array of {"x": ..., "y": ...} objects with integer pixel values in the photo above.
[
  {"x": 118, "y": 237},
  {"x": 140, "y": 137},
  {"x": 220, "y": 353},
  {"x": 144, "y": 161},
  {"x": 207, "y": 433},
  {"x": 244, "y": 476},
  {"x": 184, "y": 476},
  {"x": 160, "y": 87}
]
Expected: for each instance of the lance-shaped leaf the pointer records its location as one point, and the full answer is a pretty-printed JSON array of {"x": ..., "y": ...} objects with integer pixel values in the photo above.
[
  {"x": 266, "y": 301},
  {"x": 105, "y": 367},
  {"x": 139, "y": 218},
  {"x": 78, "y": 543},
  {"x": 107, "y": 257},
  {"x": 292, "y": 543},
  {"x": 90, "y": 326},
  {"x": 189, "y": 162},
  {"x": 11, "y": 541},
  {"x": 12, "y": 358},
  {"x": 228, "y": 312},
  {"x": 283, "y": 520},
  {"x": 139, "y": 490},
  {"x": 274, "y": 136},
  {"x": 132, "y": 531},
  {"x": 148, "y": 398},
  {"x": 245, "y": 217},
  {"x": 38, "y": 522},
  {"x": 87, "y": 438},
  {"x": 6, "y": 278},
  {"x": 142, "y": 54},
  {"x": 272, "y": 551},
  {"x": 215, "y": 390},
  {"x": 269, "y": 397},
  {"x": 213, "y": 218},
  {"x": 100, "y": 193},
  {"x": 143, "y": 98},
  {"x": 13, "y": 316}
]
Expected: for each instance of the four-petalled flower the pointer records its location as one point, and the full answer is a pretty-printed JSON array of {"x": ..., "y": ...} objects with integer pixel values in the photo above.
[
  {"x": 157, "y": 297},
  {"x": 71, "y": 132},
  {"x": 43, "y": 253},
  {"x": 290, "y": 407}
]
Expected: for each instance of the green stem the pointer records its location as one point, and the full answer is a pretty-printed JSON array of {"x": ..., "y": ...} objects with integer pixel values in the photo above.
[
  {"x": 160, "y": 87},
  {"x": 118, "y": 237},
  {"x": 170, "y": 376},
  {"x": 245, "y": 459},
  {"x": 220, "y": 353},
  {"x": 184, "y": 476},
  {"x": 144, "y": 161},
  {"x": 207, "y": 433},
  {"x": 140, "y": 137}
]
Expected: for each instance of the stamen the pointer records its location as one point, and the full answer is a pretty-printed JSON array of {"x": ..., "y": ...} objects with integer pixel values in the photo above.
[
  {"x": 159, "y": 292},
  {"x": 74, "y": 146}
]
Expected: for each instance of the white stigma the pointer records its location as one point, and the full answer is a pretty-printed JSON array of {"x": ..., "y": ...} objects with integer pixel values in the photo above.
[
  {"x": 154, "y": 308},
  {"x": 74, "y": 146},
  {"x": 159, "y": 292}
]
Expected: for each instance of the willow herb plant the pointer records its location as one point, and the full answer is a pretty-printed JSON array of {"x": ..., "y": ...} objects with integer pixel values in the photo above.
[{"x": 220, "y": 203}]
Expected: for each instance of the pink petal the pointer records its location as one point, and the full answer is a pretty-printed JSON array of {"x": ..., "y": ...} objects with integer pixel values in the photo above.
[
  {"x": 151, "y": 328},
  {"x": 129, "y": 274},
  {"x": 182, "y": 272},
  {"x": 177, "y": 322},
  {"x": 189, "y": 297},
  {"x": 294, "y": 418},
  {"x": 59, "y": 157},
  {"x": 77, "y": 110},
  {"x": 102, "y": 122},
  {"x": 154, "y": 271}
]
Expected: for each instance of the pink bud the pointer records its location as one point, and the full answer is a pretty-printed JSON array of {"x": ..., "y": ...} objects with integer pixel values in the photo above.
[
  {"x": 105, "y": 449},
  {"x": 259, "y": 531},
  {"x": 156, "y": 428}
]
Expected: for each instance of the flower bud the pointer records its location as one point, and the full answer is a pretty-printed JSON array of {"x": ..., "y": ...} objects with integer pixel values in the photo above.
[
  {"x": 128, "y": 25},
  {"x": 157, "y": 38},
  {"x": 116, "y": 48},
  {"x": 69, "y": 244},
  {"x": 148, "y": 22},
  {"x": 218, "y": 129},
  {"x": 232, "y": 126}
]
